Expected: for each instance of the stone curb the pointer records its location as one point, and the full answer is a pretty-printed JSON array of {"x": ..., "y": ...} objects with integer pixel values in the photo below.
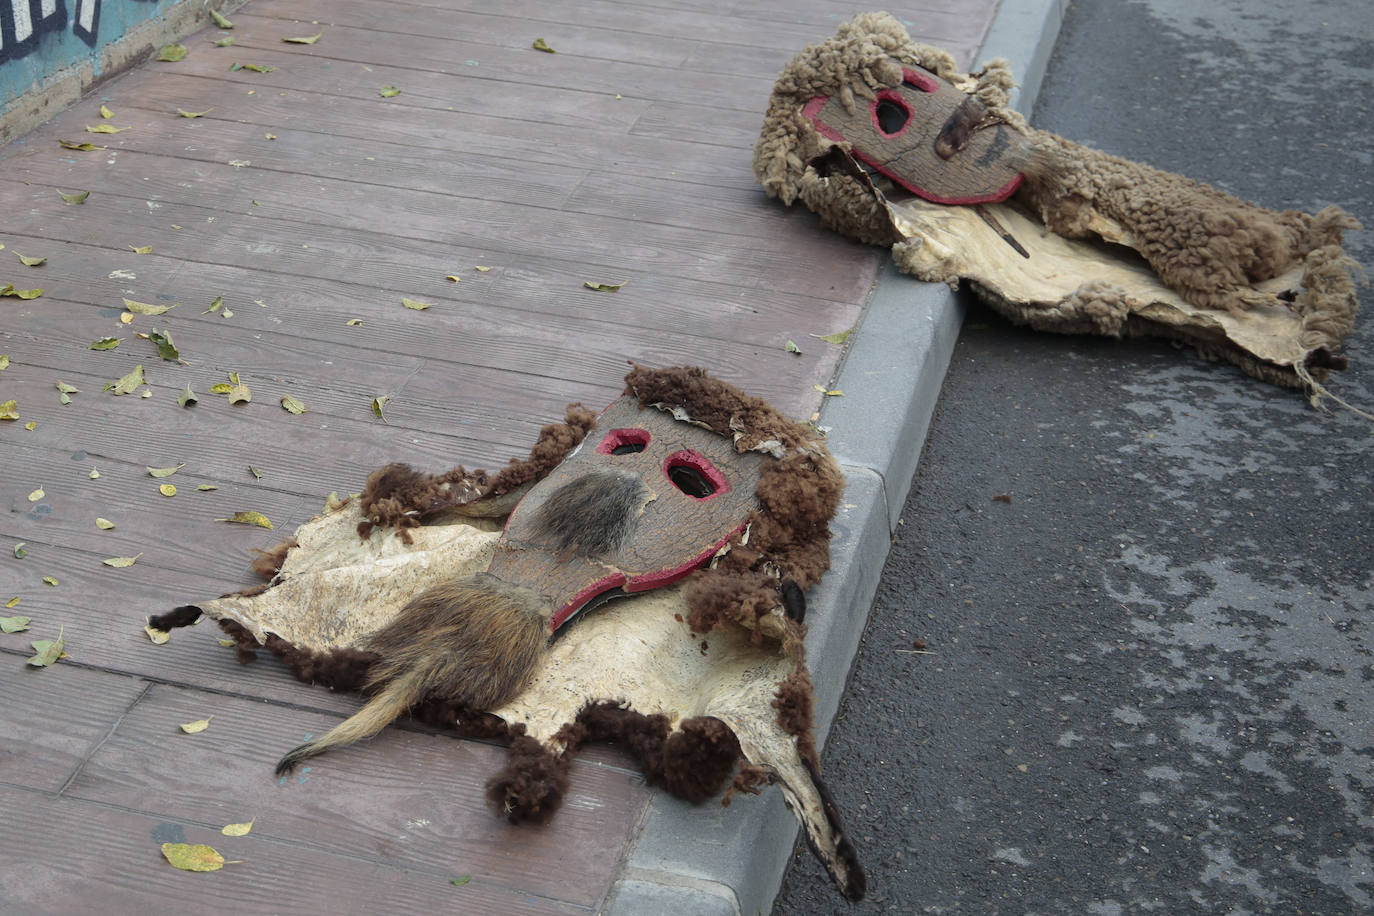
[{"x": 707, "y": 860}]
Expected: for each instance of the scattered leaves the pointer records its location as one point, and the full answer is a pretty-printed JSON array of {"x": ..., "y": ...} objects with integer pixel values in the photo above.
[
  {"x": 378, "y": 404},
  {"x": 791, "y": 347},
  {"x": 542, "y": 45},
  {"x": 9, "y": 410},
  {"x": 28, "y": 261},
  {"x": 238, "y": 829},
  {"x": 105, "y": 112},
  {"x": 414, "y": 304},
  {"x": 36, "y": 495},
  {"x": 248, "y": 518},
  {"x": 309, "y": 40},
  {"x": 31, "y": 425},
  {"x": 460, "y": 880},
  {"x": 47, "y": 651},
  {"x": 187, "y": 396},
  {"x": 207, "y": 486},
  {"x": 164, "y": 472},
  {"x": 12, "y": 602},
  {"x": 159, "y": 637},
  {"x": 221, "y": 20},
  {"x": 4, "y": 361},
  {"x": 603, "y": 287},
  {"x": 104, "y": 524},
  {"x": 221, "y": 388},
  {"x": 15, "y": 624},
  {"x": 122, "y": 562},
  {"x": 214, "y": 306},
  {"x": 240, "y": 394},
  {"x": 257, "y": 475},
  {"x": 65, "y": 391},
  {"x": 196, "y": 727},
  {"x": 141, "y": 249},
  {"x": 83, "y": 146},
  {"x": 190, "y": 857},
  {"x": 829, "y": 392},
  {"x": 388, "y": 92},
  {"x": 74, "y": 197},
  {"x": 240, "y": 163},
  {"x": 105, "y": 343},
  {"x": 144, "y": 308},
  {"x": 127, "y": 383},
  {"x": 837, "y": 338},
  {"x": 256, "y": 68},
  {"x": 104, "y": 129},
  {"x": 454, "y": 277},
  {"x": 193, "y": 114},
  {"x": 168, "y": 489},
  {"x": 50, "y": 580},
  {"x": 481, "y": 268},
  {"x": 94, "y": 475},
  {"x": 292, "y": 405},
  {"x": 9, "y": 290},
  {"x": 225, "y": 42},
  {"x": 19, "y": 551},
  {"x": 172, "y": 53},
  {"x": 165, "y": 347},
  {"x": 354, "y": 322}
]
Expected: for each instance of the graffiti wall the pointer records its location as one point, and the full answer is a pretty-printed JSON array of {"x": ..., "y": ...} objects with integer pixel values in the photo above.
[{"x": 41, "y": 39}]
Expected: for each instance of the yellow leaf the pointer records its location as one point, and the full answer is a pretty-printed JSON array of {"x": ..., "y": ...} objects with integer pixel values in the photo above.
[
  {"x": 82, "y": 146},
  {"x": 9, "y": 410},
  {"x": 240, "y": 394},
  {"x": 104, "y": 524},
  {"x": 105, "y": 129},
  {"x": 292, "y": 405},
  {"x": 221, "y": 388},
  {"x": 36, "y": 495},
  {"x": 187, "y": 857},
  {"x": 207, "y": 486},
  {"x": 454, "y": 277},
  {"x": 126, "y": 317},
  {"x": 221, "y": 20},
  {"x": 145, "y": 249},
  {"x": 378, "y": 404},
  {"x": 413, "y": 304},
  {"x": 94, "y": 475},
  {"x": 74, "y": 197},
  {"x": 196, "y": 727},
  {"x": 257, "y": 475},
  {"x": 105, "y": 112},
  {"x": 193, "y": 114},
  {"x": 481, "y": 268},
  {"x": 12, "y": 602},
  {"x": 354, "y": 322},
  {"x": 172, "y": 53},
  {"x": 168, "y": 489},
  {"x": 122, "y": 562},
  {"x": 542, "y": 45},
  {"x": 29, "y": 262},
  {"x": 388, "y": 92},
  {"x": 238, "y": 829},
  {"x": 164, "y": 472},
  {"x": 303, "y": 41},
  {"x": 104, "y": 343},
  {"x": 248, "y": 518},
  {"x": 31, "y": 425},
  {"x": 603, "y": 287},
  {"x": 127, "y": 383},
  {"x": 50, "y": 580},
  {"x": 159, "y": 637},
  {"x": 144, "y": 308}
]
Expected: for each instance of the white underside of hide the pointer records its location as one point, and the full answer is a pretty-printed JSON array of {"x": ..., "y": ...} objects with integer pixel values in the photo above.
[
  {"x": 335, "y": 588},
  {"x": 955, "y": 242}
]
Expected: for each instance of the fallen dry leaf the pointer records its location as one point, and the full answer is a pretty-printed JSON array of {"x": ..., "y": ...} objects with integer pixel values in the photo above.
[
  {"x": 196, "y": 727},
  {"x": 237, "y": 829},
  {"x": 248, "y": 518},
  {"x": 189, "y": 857},
  {"x": 172, "y": 53},
  {"x": 74, "y": 197},
  {"x": 310, "y": 40},
  {"x": 168, "y": 489},
  {"x": 122, "y": 562},
  {"x": 542, "y": 45}
]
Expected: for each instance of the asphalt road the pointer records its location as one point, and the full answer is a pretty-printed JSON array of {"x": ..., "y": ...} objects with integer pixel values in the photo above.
[{"x": 1149, "y": 680}]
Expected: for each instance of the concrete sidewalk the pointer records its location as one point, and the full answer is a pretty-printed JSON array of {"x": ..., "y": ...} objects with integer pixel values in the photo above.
[{"x": 710, "y": 861}]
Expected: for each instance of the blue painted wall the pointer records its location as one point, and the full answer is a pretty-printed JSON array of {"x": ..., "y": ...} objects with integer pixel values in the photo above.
[{"x": 40, "y": 38}]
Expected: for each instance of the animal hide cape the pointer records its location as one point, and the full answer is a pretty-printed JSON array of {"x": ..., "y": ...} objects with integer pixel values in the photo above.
[
  {"x": 689, "y": 677},
  {"x": 891, "y": 145}
]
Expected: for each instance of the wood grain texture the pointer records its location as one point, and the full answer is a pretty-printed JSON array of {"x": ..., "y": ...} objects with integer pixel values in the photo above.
[{"x": 623, "y": 157}]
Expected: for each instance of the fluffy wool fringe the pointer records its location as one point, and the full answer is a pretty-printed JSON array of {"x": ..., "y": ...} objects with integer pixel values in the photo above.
[{"x": 1067, "y": 184}]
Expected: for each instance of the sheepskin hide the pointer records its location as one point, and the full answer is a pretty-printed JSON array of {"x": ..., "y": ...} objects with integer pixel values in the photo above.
[
  {"x": 689, "y": 678},
  {"x": 1089, "y": 243}
]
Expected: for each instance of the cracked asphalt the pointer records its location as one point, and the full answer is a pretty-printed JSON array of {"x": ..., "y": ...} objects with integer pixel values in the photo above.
[{"x": 1121, "y": 657}]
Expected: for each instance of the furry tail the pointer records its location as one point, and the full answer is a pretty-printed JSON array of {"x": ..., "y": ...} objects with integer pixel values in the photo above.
[{"x": 381, "y": 711}]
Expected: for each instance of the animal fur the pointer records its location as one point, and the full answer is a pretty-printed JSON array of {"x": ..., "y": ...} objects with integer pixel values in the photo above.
[
  {"x": 472, "y": 642},
  {"x": 1207, "y": 246},
  {"x": 593, "y": 515}
]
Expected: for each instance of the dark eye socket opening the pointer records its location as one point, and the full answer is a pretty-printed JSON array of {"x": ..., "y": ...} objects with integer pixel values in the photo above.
[
  {"x": 891, "y": 116},
  {"x": 623, "y": 442},
  {"x": 691, "y": 481}
]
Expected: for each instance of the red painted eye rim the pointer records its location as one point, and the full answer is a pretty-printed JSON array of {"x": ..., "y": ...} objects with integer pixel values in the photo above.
[
  {"x": 615, "y": 438},
  {"x": 703, "y": 466}
]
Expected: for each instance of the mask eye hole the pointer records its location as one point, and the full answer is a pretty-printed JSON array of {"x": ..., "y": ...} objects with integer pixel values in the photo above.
[
  {"x": 623, "y": 442},
  {"x": 694, "y": 475},
  {"x": 891, "y": 116}
]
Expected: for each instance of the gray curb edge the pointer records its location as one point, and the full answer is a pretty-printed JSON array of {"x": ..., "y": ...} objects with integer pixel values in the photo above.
[{"x": 708, "y": 860}]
